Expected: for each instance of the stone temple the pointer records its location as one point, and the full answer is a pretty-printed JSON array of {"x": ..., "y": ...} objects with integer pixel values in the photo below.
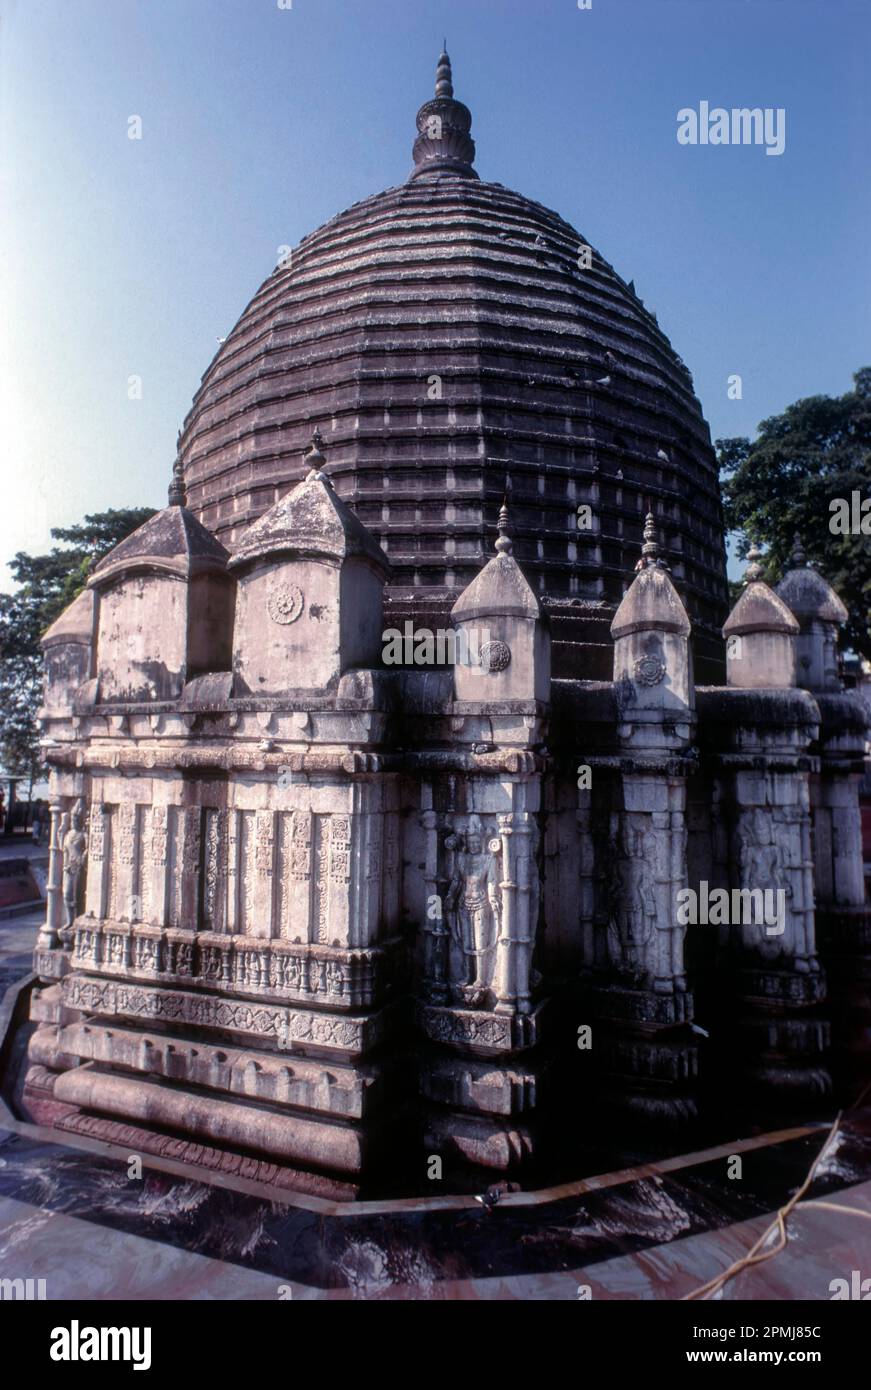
[{"x": 338, "y": 915}]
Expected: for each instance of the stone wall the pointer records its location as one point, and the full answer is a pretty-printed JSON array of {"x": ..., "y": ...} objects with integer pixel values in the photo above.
[{"x": 410, "y": 913}]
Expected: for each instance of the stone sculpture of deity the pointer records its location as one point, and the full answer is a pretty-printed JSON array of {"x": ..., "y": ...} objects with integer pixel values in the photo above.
[
  {"x": 473, "y": 910},
  {"x": 74, "y": 848},
  {"x": 762, "y": 868},
  {"x": 760, "y": 856},
  {"x": 632, "y": 916}
]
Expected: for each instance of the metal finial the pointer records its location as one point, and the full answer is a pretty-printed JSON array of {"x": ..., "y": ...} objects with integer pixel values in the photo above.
[
  {"x": 754, "y": 569},
  {"x": 177, "y": 492},
  {"x": 444, "y": 78},
  {"x": 503, "y": 543},
  {"x": 444, "y": 143},
  {"x": 650, "y": 548},
  {"x": 798, "y": 558},
  {"x": 315, "y": 458}
]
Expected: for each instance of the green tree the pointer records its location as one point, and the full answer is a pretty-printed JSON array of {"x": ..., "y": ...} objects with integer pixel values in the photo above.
[
  {"x": 782, "y": 483},
  {"x": 46, "y": 585}
]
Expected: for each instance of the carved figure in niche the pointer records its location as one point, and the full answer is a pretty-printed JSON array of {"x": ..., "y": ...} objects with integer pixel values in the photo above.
[
  {"x": 762, "y": 867},
  {"x": 760, "y": 856},
  {"x": 632, "y": 901},
  {"x": 473, "y": 910},
  {"x": 74, "y": 847}
]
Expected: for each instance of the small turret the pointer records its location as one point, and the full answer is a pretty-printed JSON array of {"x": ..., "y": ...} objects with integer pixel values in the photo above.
[
  {"x": 165, "y": 604},
  {"x": 651, "y": 635},
  {"x": 502, "y": 630},
  {"x": 819, "y": 613},
  {"x": 69, "y": 646},
  {"x": 760, "y": 635},
  {"x": 310, "y": 591}
]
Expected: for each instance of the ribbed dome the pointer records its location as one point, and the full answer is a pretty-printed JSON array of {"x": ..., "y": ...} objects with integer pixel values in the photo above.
[{"x": 443, "y": 337}]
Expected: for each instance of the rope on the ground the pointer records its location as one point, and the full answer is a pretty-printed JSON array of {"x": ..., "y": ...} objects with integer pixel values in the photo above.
[
  {"x": 754, "y": 1257},
  {"x": 816, "y": 1203}
]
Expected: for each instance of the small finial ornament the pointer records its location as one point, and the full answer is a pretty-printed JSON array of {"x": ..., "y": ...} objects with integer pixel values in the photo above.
[
  {"x": 504, "y": 544},
  {"x": 650, "y": 548},
  {"x": 177, "y": 492},
  {"x": 315, "y": 458},
  {"x": 754, "y": 568},
  {"x": 798, "y": 558},
  {"x": 444, "y": 144},
  {"x": 444, "y": 78}
]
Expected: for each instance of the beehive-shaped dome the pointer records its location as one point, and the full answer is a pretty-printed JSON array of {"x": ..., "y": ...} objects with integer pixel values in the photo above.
[{"x": 451, "y": 337}]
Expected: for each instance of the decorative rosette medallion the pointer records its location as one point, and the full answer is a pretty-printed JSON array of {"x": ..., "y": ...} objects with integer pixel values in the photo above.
[
  {"x": 495, "y": 656},
  {"x": 649, "y": 670},
  {"x": 285, "y": 603}
]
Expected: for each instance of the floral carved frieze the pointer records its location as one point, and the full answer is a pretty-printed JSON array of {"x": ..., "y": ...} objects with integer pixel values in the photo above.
[
  {"x": 118, "y": 999},
  {"x": 482, "y": 1032},
  {"x": 342, "y": 978}
]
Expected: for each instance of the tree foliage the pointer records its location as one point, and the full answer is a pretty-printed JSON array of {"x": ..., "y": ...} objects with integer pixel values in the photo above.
[
  {"x": 782, "y": 483},
  {"x": 46, "y": 585}
]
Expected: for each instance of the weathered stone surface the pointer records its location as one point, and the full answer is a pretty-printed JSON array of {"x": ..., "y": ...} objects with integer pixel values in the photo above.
[
  {"x": 760, "y": 640},
  {"x": 300, "y": 901}
]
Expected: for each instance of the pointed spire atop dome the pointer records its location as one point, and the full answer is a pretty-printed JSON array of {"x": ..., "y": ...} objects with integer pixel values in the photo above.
[
  {"x": 443, "y": 144},
  {"x": 176, "y": 493},
  {"x": 315, "y": 459},
  {"x": 754, "y": 569},
  {"x": 798, "y": 558},
  {"x": 444, "y": 78},
  {"x": 650, "y": 548},
  {"x": 504, "y": 545}
]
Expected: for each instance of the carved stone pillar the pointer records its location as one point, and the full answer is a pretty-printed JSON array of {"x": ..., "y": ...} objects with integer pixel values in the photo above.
[
  {"x": 48, "y": 939},
  {"x": 479, "y": 1016},
  {"x": 478, "y": 1013},
  {"x": 436, "y": 934},
  {"x": 644, "y": 1054},
  {"x": 99, "y": 856},
  {"x": 768, "y": 971},
  {"x": 769, "y": 975},
  {"x": 519, "y": 892},
  {"x": 843, "y": 922}
]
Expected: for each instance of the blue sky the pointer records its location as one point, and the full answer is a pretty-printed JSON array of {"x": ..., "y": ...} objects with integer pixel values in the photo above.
[{"x": 123, "y": 257}]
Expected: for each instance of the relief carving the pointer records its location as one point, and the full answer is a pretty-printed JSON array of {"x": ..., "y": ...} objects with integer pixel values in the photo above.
[
  {"x": 473, "y": 909},
  {"x": 762, "y": 866},
  {"x": 215, "y": 851},
  {"x": 631, "y": 900},
  {"x": 74, "y": 848},
  {"x": 285, "y": 603}
]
